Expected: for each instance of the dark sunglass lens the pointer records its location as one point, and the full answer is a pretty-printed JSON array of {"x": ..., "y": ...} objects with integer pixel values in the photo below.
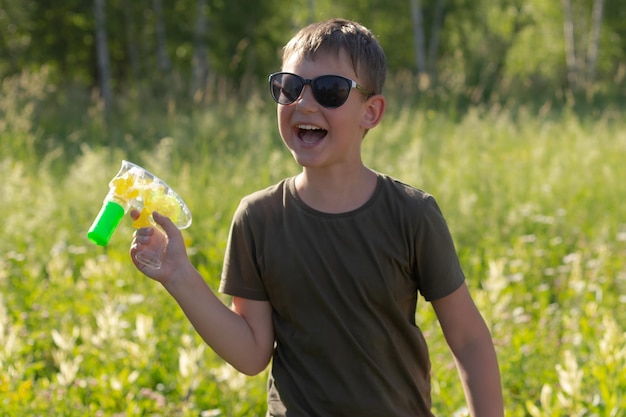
[
  {"x": 331, "y": 91},
  {"x": 286, "y": 88}
]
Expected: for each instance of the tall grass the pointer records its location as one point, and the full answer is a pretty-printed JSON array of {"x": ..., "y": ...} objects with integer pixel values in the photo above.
[{"x": 535, "y": 204}]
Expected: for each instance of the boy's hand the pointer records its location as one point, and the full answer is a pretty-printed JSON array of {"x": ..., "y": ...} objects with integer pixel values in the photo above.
[{"x": 174, "y": 257}]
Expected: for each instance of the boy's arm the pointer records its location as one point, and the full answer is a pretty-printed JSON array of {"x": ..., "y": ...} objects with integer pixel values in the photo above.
[
  {"x": 242, "y": 336},
  {"x": 473, "y": 350}
]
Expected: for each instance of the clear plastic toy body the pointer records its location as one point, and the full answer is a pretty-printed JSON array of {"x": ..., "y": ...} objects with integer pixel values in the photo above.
[{"x": 135, "y": 187}]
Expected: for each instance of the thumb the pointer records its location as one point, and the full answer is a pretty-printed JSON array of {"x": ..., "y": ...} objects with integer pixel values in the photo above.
[{"x": 165, "y": 222}]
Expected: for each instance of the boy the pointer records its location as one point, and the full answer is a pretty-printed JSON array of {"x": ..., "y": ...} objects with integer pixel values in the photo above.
[{"x": 324, "y": 267}]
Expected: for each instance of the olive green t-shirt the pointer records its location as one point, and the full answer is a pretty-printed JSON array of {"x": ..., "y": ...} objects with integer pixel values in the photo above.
[{"x": 344, "y": 289}]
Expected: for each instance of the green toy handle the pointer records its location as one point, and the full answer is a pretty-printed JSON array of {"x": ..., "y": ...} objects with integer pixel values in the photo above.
[{"x": 105, "y": 224}]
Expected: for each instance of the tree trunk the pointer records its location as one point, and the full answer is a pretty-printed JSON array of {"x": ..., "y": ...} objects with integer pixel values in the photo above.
[
  {"x": 131, "y": 40},
  {"x": 570, "y": 44},
  {"x": 200, "y": 64},
  {"x": 163, "y": 60},
  {"x": 419, "y": 41},
  {"x": 594, "y": 40},
  {"x": 433, "y": 46},
  {"x": 102, "y": 51}
]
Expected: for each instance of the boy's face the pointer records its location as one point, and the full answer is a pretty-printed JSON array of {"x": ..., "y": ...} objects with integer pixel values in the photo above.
[{"x": 318, "y": 136}]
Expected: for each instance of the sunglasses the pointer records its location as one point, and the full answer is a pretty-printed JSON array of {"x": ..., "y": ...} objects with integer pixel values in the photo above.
[{"x": 329, "y": 90}]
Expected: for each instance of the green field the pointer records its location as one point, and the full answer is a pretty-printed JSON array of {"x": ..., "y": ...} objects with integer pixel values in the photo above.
[{"x": 536, "y": 202}]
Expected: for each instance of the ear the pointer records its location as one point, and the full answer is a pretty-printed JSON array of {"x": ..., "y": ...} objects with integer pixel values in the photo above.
[{"x": 374, "y": 110}]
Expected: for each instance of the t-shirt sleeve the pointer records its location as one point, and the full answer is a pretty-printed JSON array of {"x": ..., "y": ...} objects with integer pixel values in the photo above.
[
  {"x": 438, "y": 267},
  {"x": 240, "y": 273}
]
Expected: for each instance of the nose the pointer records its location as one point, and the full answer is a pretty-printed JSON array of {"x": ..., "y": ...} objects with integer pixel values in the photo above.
[{"x": 306, "y": 101}]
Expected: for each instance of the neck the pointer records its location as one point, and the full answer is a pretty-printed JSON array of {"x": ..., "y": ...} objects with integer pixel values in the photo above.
[{"x": 336, "y": 192}]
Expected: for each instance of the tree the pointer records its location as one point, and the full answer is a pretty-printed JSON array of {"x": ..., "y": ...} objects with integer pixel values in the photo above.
[
  {"x": 418, "y": 38},
  {"x": 200, "y": 64},
  {"x": 131, "y": 39},
  {"x": 104, "y": 68},
  {"x": 163, "y": 59},
  {"x": 581, "y": 59},
  {"x": 425, "y": 60},
  {"x": 593, "y": 49},
  {"x": 433, "y": 47},
  {"x": 484, "y": 49}
]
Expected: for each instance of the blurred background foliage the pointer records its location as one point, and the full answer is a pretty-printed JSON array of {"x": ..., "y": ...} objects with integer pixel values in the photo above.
[
  {"x": 511, "y": 112},
  {"x": 120, "y": 74},
  {"x": 479, "y": 51}
]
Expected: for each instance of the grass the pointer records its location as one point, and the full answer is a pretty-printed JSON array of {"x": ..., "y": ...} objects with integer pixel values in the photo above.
[{"x": 534, "y": 202}]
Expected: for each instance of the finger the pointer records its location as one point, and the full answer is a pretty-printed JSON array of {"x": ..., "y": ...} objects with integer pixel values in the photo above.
[
  {"x": 134, "y": 247},
  {"x": 134, "y": 213},
  {"x": 165, "y": 222},
  {"x": 144, "y": 231}
]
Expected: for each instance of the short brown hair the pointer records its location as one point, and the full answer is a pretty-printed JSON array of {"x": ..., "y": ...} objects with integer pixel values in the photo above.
[{"x": 331, "y": 36}]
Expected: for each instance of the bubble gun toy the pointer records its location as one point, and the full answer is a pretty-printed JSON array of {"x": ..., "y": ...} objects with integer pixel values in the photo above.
[{"x": 135, "y": 187}]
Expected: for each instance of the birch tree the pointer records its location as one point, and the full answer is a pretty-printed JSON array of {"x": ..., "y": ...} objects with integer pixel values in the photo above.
[
  {"x": 102, "y": 50},
  {"x": 425, "y": 58},
  {"x": 581, "y": 60},
  {"x": 593, "y": 49},
  {"x": 163, "y": 59},
  {"x": 419, "y": 42},
  {"x": 200, "y": 62},
  {"x": 570, "y": 44},
  {"x": 131, "y": 39},
  {"x": 435, "y": 33}
]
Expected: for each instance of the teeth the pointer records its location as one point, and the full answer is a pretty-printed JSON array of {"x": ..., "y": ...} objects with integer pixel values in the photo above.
[{"x": 309, "y": 127}]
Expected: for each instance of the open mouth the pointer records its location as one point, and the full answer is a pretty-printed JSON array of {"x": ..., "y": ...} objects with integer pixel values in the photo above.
[{"x": 310, "y": 134}]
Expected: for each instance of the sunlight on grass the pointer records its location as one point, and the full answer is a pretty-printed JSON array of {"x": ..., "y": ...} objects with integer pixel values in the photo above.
[{"x": 535, "y": 204}]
